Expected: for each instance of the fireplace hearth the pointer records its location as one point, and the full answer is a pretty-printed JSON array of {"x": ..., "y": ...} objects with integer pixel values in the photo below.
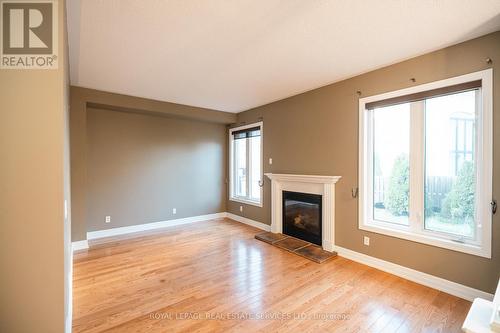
[{"x": 302, "y": 216}]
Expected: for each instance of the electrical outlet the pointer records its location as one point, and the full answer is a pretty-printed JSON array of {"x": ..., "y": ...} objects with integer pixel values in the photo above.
[
  {"x": 241, "y": 208},
  {"x": 270, "y": 161},
  {"x": 366, "y": 240},
  {"x": 174, "y": 211},
  {"x": 108, "y": 219}
]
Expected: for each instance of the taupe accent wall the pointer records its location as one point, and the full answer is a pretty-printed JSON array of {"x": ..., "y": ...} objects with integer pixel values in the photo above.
[
  {"x": 35, "y": 245},
  {"x": 317, "y": 133},
  {"x": 139, "y": 167},
  {"x": 135, "y": 159}
]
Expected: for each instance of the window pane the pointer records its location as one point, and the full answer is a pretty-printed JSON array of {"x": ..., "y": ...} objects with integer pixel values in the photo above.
[
  {"x": 391, "y": 171},
  {"x": 255, "y": 162},
  {"x": 450, "y": 163},
  {"x": 240, "y": 167}
]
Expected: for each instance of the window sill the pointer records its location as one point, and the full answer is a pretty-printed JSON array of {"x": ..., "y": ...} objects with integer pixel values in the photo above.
[
  {"x": 248, "y": 202},
  {"x": 429, "y": 240}
]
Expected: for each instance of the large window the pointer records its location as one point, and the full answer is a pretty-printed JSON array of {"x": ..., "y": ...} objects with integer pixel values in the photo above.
[
  {"x": 426, "y": 163},
  {"x": 245, "y": 158}
]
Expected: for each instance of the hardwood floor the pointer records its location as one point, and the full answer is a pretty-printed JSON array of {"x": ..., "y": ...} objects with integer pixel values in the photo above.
[{"x": 215, "y": 277}]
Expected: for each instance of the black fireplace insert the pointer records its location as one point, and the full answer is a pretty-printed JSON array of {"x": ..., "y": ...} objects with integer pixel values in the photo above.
[{"x": 302, "y": 216}]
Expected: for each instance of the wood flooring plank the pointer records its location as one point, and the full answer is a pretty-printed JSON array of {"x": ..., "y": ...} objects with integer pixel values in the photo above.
[{"x": 214, "y": 276}]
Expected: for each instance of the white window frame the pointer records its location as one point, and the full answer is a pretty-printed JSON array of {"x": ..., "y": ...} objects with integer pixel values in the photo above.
[
  {"x": 232, "y": 196},
  {"x": 416, "y": 232}
]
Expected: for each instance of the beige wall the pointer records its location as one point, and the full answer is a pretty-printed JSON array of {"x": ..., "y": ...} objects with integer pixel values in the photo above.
[
  {"x": 34, "y": 235},
  {"x": 139, "y": 167},
  {"x": 317, "y": 133},
  {"x": 81, "y": 100}
]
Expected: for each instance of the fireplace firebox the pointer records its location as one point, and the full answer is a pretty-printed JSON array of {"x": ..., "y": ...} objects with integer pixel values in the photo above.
[{"x": 302, "y": 215}]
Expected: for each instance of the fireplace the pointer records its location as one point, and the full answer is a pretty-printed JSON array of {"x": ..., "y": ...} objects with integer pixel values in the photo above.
[
  {"x": 322, "y": 186},
  {"x": 302, "y": 215}
]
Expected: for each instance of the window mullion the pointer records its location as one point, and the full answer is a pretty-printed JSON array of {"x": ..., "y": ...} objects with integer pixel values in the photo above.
[
  {"x": 369, "y": 175},
  {"x": 417, "y": 160},
  {"x": 233, "y": 178},
  {"x": 248, "y": 166},
  {"x": 477, "y": 156}
]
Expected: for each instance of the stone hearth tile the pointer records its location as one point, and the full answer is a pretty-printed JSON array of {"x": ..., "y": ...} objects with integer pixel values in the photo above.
[
  {"x": 270, "y": 237},
  {"x": 291, "y": 244},
  {"x": 315, "y": 253}
]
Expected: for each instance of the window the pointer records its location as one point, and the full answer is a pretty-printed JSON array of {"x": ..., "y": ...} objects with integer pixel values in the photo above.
[
  {"x": 426, "y": 163},
  {"x": 245, "y": 158}
]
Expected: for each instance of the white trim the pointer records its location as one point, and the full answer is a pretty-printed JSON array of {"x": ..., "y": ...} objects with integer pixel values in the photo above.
[
  {"x": 248, "y": 221},
  {"x": 303, "y": 178},
  {"x": 246, "y": 202},
  {"x": 425, "y": 239},
  {"x": 425, "y": 279},
  {"x": 482, "y": 245},
  {"x": 80, "y": 245},
  {"x": 480, "y": 75},
  {"x": 231, "y": 164},
  {"x": 151, "y": 226}
]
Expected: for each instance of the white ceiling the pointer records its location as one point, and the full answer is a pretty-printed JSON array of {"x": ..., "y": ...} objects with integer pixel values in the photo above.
[{"x": 233, "y": 55}]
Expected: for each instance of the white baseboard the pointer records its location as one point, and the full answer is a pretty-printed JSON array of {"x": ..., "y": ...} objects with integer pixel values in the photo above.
[
  {"x": 425, "y": 279},
  {"x": 151, "y": 226},
  {"x": 248, "y": 221},
  {"x": 80, "y": 245}
]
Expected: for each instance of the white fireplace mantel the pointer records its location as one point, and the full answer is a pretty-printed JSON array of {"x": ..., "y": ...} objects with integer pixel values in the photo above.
[{"x": 322, "y": 185}]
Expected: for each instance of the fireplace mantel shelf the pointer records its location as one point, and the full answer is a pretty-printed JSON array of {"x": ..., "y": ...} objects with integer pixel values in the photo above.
[{"x": 303, "y": 178}]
